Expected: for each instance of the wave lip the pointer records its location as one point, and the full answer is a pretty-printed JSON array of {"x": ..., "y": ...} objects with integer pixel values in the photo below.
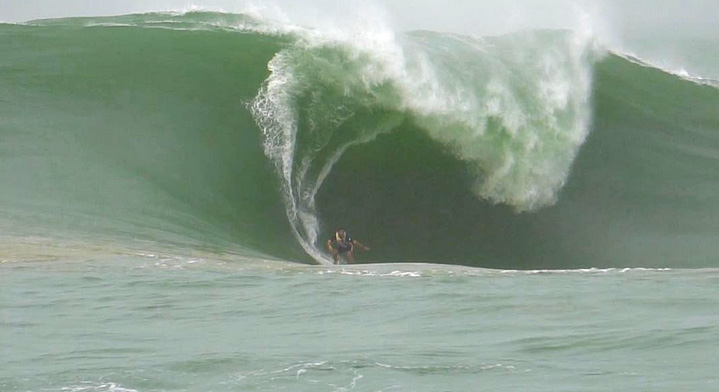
[{"x": 681, "y": 73}]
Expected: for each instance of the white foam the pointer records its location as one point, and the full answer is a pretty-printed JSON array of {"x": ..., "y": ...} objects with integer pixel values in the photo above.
[
  {"x": 90, "y": 386},
  {"x": 109, "y": 24},
  {"x": 372, "y": 273},
  {"x": 586, "y": 271},
  {"x": 538, "y": 94}
]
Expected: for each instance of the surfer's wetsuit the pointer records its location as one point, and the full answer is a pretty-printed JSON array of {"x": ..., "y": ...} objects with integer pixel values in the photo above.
[
  {"x": 342, "y": 246},
  {"x": 341, "y": 243}
]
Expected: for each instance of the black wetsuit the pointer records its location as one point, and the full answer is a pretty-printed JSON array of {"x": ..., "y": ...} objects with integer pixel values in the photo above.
[{"x": 342, "y": 246}]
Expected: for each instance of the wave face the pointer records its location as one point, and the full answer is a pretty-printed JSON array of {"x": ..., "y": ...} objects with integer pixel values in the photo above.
[{"x": 531, "y": 150}]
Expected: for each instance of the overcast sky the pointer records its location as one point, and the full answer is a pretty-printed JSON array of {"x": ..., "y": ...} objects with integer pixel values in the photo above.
[
  {"x": 470, "y": 16},
  {"x": 653, "y": 29}
]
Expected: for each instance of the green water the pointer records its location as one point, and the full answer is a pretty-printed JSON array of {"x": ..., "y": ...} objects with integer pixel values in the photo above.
[
  {"x": 167, "y": 182},
  {"x": 158, "y": 323},
  {"x": 529, "y": 151}
]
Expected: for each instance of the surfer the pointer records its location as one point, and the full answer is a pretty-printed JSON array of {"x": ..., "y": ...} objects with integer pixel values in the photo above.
[{"x": 341, "y": 243}]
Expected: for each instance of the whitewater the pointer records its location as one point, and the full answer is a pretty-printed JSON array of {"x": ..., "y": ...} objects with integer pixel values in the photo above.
[{"x": 541, "y": 208}]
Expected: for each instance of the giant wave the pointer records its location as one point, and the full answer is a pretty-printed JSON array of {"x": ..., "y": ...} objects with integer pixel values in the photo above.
[{"x": 530, "y": 150}]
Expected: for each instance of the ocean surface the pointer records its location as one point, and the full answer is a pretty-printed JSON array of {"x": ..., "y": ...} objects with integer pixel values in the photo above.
[{"x": 542, "y": 210}]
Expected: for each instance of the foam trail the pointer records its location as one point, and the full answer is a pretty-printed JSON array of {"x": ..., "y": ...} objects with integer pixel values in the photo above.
[{"x": 275, "y": 109}]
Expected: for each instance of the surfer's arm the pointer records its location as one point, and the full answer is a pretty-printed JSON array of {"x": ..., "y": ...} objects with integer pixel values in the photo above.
[{"x": 357, "y": 243}]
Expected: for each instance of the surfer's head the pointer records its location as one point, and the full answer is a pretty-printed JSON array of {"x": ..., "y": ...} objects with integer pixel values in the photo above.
[{"x": 341, "y": 235}]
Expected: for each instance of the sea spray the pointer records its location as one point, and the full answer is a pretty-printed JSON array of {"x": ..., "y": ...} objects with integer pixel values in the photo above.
[{"x": 516, "y": 108}]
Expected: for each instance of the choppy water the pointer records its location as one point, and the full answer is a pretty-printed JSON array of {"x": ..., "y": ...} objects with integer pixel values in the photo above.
[{"x": 160, "y": 323}]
